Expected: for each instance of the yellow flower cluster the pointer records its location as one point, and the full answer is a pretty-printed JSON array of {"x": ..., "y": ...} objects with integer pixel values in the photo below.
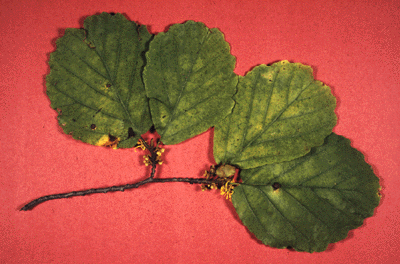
[
  {"x": 209, "y": 175},
  {"x": 159, "y": 152},
  {"x": 221, "y": 178},
  {"x": 148, "y": 159}
]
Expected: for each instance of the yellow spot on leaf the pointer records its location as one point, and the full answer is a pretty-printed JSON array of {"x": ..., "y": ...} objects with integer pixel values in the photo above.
[
  {"x": 379, "y": 192},
  {"x": 267, "y": 75},
  {"x": 108, "y": 141},
  {"x": 184, "y": 62}
]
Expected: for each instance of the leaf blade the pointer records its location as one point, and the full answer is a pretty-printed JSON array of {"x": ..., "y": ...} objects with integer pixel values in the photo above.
[
  {"x": 281, "y": 112},
  {"x": 95, "y": 81},
  {"x": 182, "y": 63},
  {"x": 321, "y": 196}
]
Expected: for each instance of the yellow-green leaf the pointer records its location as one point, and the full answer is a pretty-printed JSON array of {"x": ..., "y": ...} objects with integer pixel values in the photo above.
[{"x": 281, "y": 112}]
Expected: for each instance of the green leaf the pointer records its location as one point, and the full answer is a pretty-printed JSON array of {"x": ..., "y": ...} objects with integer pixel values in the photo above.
[
  {"x": 189, "y": 80},
  {"x": 281, "y": 112},
  {"x": 95, "y": 81},
  {"x": 309, "y": 202}
]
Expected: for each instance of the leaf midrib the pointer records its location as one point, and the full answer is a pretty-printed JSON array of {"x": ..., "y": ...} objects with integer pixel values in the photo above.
[
  {"x": 199, "y": 119},
  {"x": 250, "y": 142},
  {"x": 184, "y": 85},
  {"x": 323, "y": 126},
  {"x": 113, "y": 84}
]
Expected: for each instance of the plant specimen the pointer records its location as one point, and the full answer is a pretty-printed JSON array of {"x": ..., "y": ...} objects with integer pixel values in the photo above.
[{"x": 292, "y": 181}]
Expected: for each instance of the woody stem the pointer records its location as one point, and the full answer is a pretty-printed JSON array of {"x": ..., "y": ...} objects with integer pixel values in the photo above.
[{"x": 119, "y": 188}]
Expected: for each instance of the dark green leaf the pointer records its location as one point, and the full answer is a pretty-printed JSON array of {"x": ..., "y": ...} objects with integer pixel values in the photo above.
[
  {"x": 189, "y": 80},
  {"x": 280, "y": 114},
  {"x": 311, "y": 201},
  {"x": 95, "y": 81}
]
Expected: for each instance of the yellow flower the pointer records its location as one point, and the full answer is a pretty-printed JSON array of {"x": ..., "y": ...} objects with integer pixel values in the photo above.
[
  {"x": 227, "y": 189},
  {"x": 146, "y": 160},
  {"x": 140, "y": 145},
  {"x": 160, "y": 151}
]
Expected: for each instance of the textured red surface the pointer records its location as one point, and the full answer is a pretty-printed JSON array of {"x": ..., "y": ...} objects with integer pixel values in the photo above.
[{"x": 353, "y": 48}]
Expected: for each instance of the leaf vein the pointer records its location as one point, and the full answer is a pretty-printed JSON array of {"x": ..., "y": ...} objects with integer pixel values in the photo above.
[
  {"x": 282, "y": 214},
  {"x": 86, "y": 83},
  {"x": 87, "y": 106},
  {"x": 333, "y": 206},
  {"x": 255, "y": 215}
]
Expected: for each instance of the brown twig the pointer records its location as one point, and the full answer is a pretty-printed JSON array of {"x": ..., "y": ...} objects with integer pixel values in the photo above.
[{"x": 120, "y": 188}]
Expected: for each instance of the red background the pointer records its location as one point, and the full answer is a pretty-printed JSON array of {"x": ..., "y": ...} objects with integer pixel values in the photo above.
[{"x": 353, "y": 46}]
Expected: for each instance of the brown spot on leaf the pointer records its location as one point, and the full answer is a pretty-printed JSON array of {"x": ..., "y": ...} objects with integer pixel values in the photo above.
[
  {"x": 111, "y": 137},
  {"x": 90, "y": 44},
  {"x": 276, "y": 186},
  {"x": 131, "y": 133}
]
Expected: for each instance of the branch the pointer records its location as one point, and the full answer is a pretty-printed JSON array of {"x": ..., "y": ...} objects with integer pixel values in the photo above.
[
  {"x": 120, "y": 188},
  {"x": 211, "y": 181}
]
